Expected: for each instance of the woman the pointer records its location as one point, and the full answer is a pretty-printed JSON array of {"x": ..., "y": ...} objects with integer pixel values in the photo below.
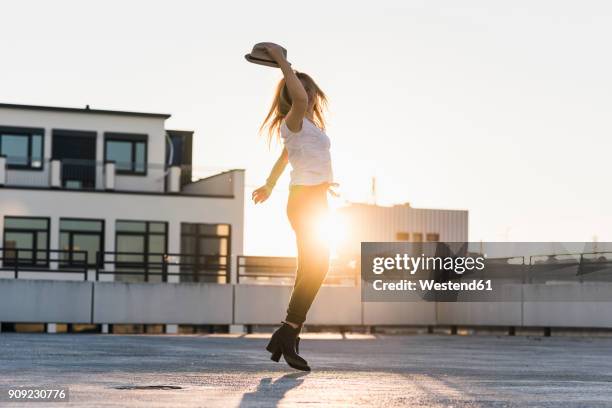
[{"x": 296, "y": 116}]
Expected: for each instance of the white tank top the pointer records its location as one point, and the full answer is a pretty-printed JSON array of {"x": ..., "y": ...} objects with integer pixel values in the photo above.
[{"x": 309, "y": 154}]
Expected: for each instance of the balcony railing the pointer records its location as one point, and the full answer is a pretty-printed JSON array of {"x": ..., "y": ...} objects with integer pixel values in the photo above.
[
  {"x": 281, "y": 270},
  {"x": 116, "y": 266},
  {"x": 26, "y": 176},
  {"x": 163, "y": 267},
  {"x": 77, "y": 174},
  {"x": 181, "y": 267},
  {"x": 20, "y": 261}
]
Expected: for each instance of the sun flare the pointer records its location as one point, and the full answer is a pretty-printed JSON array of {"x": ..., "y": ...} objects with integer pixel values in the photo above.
[{"x": 332, "y": 229}]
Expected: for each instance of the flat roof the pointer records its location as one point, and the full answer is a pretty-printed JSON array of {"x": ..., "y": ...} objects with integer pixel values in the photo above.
[
  {"x": 83, "y": 110},
  {"x": 180, "y": 132},
  {"x": 400, "y": 206}
]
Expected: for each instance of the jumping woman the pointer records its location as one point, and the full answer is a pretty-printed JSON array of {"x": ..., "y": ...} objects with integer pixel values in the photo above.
[{"x": 296, "y": 116}]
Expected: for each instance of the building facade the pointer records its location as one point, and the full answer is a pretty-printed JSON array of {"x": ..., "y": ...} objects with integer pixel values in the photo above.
[
  {"x": 113, "y": 193},
  {"x": 374, "y": 223}
]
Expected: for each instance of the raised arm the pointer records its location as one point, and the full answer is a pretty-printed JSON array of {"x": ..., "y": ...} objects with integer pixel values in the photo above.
[
  {"x": 297, "y": 93},
  {"x": 262, "y": 193}
]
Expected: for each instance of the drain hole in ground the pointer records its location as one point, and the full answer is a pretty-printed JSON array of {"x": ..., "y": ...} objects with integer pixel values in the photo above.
[{"x": 148, "y": 387}]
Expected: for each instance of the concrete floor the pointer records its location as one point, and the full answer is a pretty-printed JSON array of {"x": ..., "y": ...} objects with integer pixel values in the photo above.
[{"x": 358, "y": 370}]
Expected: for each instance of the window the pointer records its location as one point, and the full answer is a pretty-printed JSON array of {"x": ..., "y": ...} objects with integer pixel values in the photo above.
[
  {"x": 128, "y": 151},
  {"x": 81, "y": 235},
  {"x": 142, "y": 244},
  {"x": 402, "y": 236},
  {"x": 433, "y": 237},
  {"x": 206, "y": 248},
  {"x": 22, "y": 147},
  {"x": 26, "y": 239}
]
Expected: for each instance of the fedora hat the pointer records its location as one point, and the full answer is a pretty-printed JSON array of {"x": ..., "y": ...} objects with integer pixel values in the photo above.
[{"x": 260, "y": 56}]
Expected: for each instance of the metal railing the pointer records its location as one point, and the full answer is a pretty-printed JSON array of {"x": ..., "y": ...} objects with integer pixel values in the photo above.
[
  {"x": 274, "y": 268},
  {"x": 159, "y": 267},
  {"x": 79, "y": 174},
  {"x": 85, "y": 174},
  {"x": 147, "y": 266},
  {"x": 21, "y": 260},
  {"x": 571, "y": 267},
  {"x": 131, "y": 266}
]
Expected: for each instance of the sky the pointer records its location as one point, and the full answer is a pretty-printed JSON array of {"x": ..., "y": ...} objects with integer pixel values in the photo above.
[{"x": 501, "y": 108}]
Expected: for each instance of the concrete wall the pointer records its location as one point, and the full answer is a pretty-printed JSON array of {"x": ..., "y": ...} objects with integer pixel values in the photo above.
[
  {"x": 568, "y": 305},
  {"x": 173, "y": 303},
  {"x": 479, "y": 313},
  {"x": 336, "y": 305},
  {"x": 259, "y": 304},
  {"x": 46, "y": 301},
  {"x": 399, "y": 313},
  {"x": 485, "y": 313}
]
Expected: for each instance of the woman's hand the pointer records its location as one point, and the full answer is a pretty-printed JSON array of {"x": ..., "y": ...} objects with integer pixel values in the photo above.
[
  {"x": 261, "y": 194},
  {"x": 331, "y": 189},
  {"x": 276, "y": 52}
]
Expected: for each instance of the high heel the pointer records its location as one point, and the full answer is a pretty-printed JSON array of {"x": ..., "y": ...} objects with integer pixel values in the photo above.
[
  {"x": 283, "y": 342},
  {"x": 275, "y": 349},
  {"x": 273, "y": 346},
  {"x": 276, "y": 356}
]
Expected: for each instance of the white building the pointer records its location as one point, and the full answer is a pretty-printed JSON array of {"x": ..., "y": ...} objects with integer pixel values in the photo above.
[
  {"x": 118, "y": 186},
  {"x": 374, "y": 223}
]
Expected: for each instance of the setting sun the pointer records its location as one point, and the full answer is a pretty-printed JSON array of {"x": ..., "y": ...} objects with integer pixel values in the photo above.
[{"x": 333, "y": 229}]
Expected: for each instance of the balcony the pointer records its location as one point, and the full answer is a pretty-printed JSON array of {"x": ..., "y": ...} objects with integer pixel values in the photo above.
[{"x": 88, "y": 175}]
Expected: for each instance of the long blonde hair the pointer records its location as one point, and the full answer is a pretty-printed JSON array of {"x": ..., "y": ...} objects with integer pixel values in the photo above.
[{"x": 282, "y": 104}]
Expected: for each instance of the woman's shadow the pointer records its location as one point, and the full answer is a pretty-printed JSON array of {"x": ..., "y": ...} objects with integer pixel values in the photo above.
[{"x": 270, "y": 393}]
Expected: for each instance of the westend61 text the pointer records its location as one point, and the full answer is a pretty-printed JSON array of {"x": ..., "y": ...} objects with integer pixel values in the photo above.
[{"x": 430, "y": 284}]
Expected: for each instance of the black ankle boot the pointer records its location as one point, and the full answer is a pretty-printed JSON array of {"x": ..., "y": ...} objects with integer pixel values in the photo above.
[
  {"x": 297, "y": 339},
  {"x": 283, "y": 343},
  {"x": 276, "y": 356}
]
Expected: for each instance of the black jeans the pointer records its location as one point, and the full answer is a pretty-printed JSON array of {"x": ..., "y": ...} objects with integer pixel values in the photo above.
[{"x": 306, "y": 208}]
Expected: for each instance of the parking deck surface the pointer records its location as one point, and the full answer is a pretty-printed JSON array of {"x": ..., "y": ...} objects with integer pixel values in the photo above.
[{"x": 350, "y": 370}]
